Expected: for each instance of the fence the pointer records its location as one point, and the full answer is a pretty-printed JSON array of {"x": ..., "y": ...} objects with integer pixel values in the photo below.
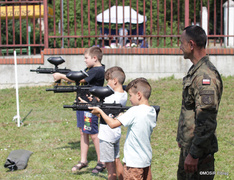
[
  {"x": 21, "y": 26},
  {"x": 84, "y": 23}
]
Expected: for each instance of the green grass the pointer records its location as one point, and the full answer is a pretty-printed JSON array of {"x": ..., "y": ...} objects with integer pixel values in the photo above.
[{"x": 50, "y": 132}]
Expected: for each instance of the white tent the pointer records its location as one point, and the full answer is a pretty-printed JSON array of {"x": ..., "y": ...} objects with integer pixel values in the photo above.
[{"x": 120, "y": 15}]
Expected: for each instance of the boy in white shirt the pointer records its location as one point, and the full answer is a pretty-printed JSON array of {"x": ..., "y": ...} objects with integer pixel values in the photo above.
[
  {"x": 109, "y": 138},
  {"x": 140, "y": 120}
]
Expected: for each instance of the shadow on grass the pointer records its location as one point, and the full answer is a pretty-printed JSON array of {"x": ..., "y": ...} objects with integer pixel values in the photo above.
[
  {"x": 88, "y": 171},
  {"x": 71, "y": 145},
  {"x": 92, "y": 156}
]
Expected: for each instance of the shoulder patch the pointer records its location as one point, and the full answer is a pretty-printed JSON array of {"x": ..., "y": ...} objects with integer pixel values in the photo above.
[{"x": 207, "y": 97}]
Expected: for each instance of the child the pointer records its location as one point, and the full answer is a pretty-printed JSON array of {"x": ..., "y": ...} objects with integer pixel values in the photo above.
[
  {"x": 96, "y": 72},
  {"x": 140, "y": 120},
  {"x": 109, "y": 138}
]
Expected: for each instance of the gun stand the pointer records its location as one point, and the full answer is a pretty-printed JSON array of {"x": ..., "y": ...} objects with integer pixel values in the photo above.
[
  {"x": 15, "y": 119},
  {"x": 21, "y": 122}
]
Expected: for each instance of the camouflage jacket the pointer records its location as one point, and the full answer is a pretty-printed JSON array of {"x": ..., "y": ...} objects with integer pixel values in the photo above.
[{"x": 202, "y": 91}]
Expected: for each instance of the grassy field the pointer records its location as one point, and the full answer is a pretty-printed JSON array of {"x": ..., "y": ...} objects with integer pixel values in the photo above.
[{"x": 50, "y": 132}]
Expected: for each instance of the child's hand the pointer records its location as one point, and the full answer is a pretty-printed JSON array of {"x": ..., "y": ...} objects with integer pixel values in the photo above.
[
  {"x": 120, "y": 114},
  {"x": 91, "y": 97},
  {"x": 81, "y": 100},
  {"x": 57, "y": 76},
  {"x": 95, "y": 110}
]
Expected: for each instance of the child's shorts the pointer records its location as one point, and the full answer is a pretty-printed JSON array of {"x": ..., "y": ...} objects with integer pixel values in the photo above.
[
  {"x": 87, "y": 121},
  {"x": 108, "y": 151},
  {"x": 137, "y": 173}
]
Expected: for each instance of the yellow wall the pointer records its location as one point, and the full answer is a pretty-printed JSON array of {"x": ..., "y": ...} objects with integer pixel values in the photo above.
[{"x": 24, "y": 11}]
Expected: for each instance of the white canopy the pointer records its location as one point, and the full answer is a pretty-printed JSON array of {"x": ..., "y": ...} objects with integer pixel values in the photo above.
[{"x": 120, "y": 15}]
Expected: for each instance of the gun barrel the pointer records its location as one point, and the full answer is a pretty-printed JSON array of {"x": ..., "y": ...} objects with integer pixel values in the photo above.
[
  {"x": 68, "y": 106},
  {"x": 108, "y": 108},
  {"x": 50, "y": 70},
  {"x": 81, "y": 90},
  {"x": 63, "y": 89},
  {"x": 50, "y": 89},
  {"x": 78, "y": 107},
  {"x": 43, "y": 70}
]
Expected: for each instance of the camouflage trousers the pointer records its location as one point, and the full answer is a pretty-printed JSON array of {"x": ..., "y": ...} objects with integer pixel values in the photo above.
[{"x": 205, "y": 168}]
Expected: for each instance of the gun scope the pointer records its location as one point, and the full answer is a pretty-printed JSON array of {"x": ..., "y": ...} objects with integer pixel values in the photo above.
[
  {"x": 101, "y": 92},
  {"x": 56, "y": 60},
  {"x": 76, "y": 75}
]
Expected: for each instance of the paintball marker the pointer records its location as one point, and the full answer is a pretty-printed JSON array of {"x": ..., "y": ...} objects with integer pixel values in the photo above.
[
  {"x": 55, "y": 61},
  {"x": 109, "y": 108},
  {"x": 76, "y": 76}
]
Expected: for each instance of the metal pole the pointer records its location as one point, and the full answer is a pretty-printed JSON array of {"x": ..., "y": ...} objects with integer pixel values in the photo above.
[
  {"x": 29, "y": 47},
  {"x": 186, "y": 23},
  {"x": 62, "y": 26},
  {"x": 46, "y": 31},
  {"x": 17, "y": 93}
]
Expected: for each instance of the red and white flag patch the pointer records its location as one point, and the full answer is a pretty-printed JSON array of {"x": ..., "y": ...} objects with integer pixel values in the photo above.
[{"x": 206, "y": 81}]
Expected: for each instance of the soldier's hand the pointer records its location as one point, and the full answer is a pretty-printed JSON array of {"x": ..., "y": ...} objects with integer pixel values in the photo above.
[{"x": 190, "y": 164}]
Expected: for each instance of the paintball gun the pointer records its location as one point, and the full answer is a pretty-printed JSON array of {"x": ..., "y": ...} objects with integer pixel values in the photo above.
[
  {"x": 81, "y": 91},
  {"x": 55, "y": 61},
  {"x": 109, "y": 108}
]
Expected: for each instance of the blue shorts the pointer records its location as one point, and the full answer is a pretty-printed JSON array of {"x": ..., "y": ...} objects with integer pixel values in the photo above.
[{"x": 87, "y": 122}]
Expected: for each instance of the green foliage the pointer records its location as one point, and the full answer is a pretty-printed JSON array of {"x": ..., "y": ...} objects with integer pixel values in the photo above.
[
  {"x": 14, "y": 30},
  {"x": 50, "y": 132},
  {"x": 167, "y": 19},
  {"x": 155, "y": 30}
]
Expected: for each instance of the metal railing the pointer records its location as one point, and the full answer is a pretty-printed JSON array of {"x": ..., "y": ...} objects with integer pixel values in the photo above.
[
  {"x": 85, "y": 23},
  {"x": 162, "y": 26},
  {"x": 21, "y": 26}
]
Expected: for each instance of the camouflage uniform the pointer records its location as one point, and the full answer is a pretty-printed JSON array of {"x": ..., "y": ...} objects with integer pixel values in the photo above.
[{"x": 202, "y": 91}]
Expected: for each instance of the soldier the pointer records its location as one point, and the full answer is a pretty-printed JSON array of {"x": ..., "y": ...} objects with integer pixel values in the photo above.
[{"x": 202, "y": 91}]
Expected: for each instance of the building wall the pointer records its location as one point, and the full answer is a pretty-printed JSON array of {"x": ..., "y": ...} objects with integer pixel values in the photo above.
[{"x": 150, "y": 66}]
